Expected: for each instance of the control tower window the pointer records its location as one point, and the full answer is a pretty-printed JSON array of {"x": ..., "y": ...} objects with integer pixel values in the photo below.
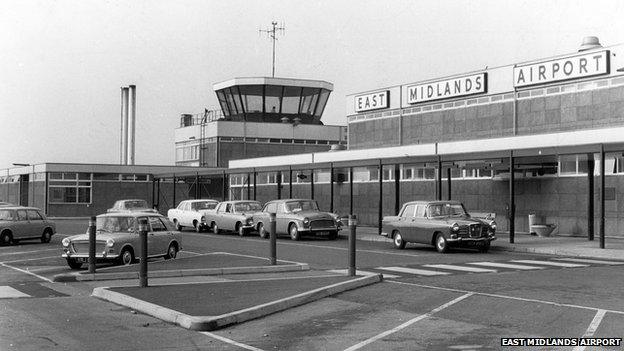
[
  {"x": 273, "y": 96},
  {"x": 292, "y": 98}
]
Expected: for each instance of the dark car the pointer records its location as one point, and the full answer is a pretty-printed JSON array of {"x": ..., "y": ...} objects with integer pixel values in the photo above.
[
  {"x": 443, "y": 224},
  {"x": 21, "y": 223},
  {"x": 296, "y": 217},
  {"x": 131, "y": 205}
]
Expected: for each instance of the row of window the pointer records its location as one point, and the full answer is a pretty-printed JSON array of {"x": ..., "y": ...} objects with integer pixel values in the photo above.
[{"x": 568, "y": 165}]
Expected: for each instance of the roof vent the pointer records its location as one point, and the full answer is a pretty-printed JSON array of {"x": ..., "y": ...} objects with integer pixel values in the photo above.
[
  {"x": 590, "y": 43},
  {"x": 285, "y": 120},
  {"x": 337, "y": 147}
]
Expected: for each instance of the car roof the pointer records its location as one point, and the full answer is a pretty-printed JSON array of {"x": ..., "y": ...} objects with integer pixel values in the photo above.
[
  {"x": 286, "y": 200},
  {"x": 14, "y": 207},
  {"x": 200, "y": 200},
  {"x": 430, "y": 202},
  {"x": 133, "y": 214}
]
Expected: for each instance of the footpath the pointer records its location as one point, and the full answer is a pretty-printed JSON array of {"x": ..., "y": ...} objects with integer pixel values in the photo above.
[{"x": 184, "y": 295}]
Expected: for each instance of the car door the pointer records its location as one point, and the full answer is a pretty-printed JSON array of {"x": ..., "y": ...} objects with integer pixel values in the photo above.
[
  {"x": 422, "y": 227},
  {"x": 283, "y": 218},
  {"x": 36, "y": 223},
  {"x": 22, "y": 226},
  {"x": 157, "y": 237},
  {"x": 406, "y": 222},
  {"x": 227, "y": 218}
]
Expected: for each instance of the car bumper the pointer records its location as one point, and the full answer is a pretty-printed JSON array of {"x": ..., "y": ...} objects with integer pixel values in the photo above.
[
  {"x": 249, "y": 227},
  {"x": 471, "y": 241},
  {"x": 319, "y": 230},
  {"x": 85, "y": 257}
]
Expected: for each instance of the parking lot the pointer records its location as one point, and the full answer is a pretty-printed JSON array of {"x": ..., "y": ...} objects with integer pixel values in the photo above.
[{"x": 460, "y": 300}]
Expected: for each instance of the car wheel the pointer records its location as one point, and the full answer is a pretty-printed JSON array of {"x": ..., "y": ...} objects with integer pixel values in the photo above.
[
  {"x": 215, "y": 228},
  {"x": 440, "y": 243},
  {"x": 6, "y": 239},
  {"x": 294, "y": 232},
  {"x": 398, "y": 241},
  {"x": 178, "y": 227},
  {"x": 333, "y": 235},
  {"x": 198, "y": 227},
  {"x": 46, "y": 236},
  {"x": 172, "y": 252},
  {"x": 127, "y": 257},
  {"x": 262, "y": 232},
  {"x": 241, "y": 231},
  {"x": 485, "y": 248},
  {"x": 73, "y": 263}
]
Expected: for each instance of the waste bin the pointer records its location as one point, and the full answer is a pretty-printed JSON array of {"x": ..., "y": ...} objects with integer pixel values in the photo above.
[
  {"x": 538, "y": 226},
  {"x": 534, "y": 220}
]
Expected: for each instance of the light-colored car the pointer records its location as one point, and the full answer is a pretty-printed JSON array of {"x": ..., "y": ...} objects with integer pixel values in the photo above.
[
  {"x": 234, "y": 216},
  {"x": 192, "y": 213},
  {"x": 117, "y": 239},
  {"x": 443, "y": 224},
  {"x": 22, "y": 223},
  {"x": 5, "y": 204},
  {"x": 131, "y": 205},
  {"x": 296, "y": 217}
]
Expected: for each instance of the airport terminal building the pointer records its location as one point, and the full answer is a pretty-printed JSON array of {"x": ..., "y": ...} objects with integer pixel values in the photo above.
[{"x": 542, "y": 137}]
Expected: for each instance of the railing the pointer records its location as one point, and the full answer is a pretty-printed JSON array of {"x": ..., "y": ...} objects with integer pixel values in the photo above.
[{"x": 187, "y": 120}]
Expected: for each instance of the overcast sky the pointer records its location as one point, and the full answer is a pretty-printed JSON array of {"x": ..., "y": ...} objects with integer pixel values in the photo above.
[{"x": 62, "y": 63}]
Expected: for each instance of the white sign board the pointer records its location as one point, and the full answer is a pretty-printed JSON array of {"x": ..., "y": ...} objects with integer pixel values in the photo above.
[
  {"x": 576, "y": 66},
  {"x": 449, "y": 88},
  {"x": 372, "y": 101}
]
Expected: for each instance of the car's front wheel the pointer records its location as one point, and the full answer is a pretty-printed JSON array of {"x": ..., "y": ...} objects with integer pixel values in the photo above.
[
  {"x": 198, "y": 227},
  {"x": 73, "y": 263},
  {"x": 241, "y": 231},
  {"x": 6, "y": 238},
  {"x": 262, "y": 232},
  {"x": 294, "y": 232},
  {"x": 398, "y": 241},
  {"x": 178, "y": 227},
  {"x": 172, "y": 252},
  {"x": 215, "y": 228},
  {"x": 127, "y": 257},
  {"x": 440, "y": 243},
  {"x": 46, "y": 236}
]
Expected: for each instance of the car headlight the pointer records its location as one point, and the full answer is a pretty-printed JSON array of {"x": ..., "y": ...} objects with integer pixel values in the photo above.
[
  {"x": 493, "y": 225},
  {"x": 203, "y": 218},
  {"x": 249, "y": 221},
  {"x": 65, "y": 242},
  {"x": 455, "y": 227},
  {"x": 110, "y": 242},
  {"x": 306, "y": 221}
]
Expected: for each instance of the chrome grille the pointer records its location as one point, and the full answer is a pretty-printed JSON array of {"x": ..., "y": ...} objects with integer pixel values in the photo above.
[
  {"x": 475, "y": 230},
  {"x": 322, "y": 223},
  {"x": 82, "y": 247}
]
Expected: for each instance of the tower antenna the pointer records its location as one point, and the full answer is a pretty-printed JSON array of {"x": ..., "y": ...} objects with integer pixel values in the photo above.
[{"x": 272, "y": 34}]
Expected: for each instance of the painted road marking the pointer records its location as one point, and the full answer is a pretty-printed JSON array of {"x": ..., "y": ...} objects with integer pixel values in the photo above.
[
  {"x": 33, "y": 259},
  {"x": 461, "y": 268},
  {"x": 27, "y": 272},
  {"x": 593, "y": 326},
  {"x": 504, "y": 265},
  {"x": 361, "y": 272},
  {"x": 7, "y": 292},
  {"x": 551, "y": 263},
  {"x": 231, "y": 342},
  {"x": 28, "y": 252},
  {"x": 585, "y": 260},
  {"x": 408, "y": 323},
  {"x": 413, "y": 271}
]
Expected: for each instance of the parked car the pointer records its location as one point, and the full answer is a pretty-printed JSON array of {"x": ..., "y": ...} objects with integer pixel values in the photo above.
[
  {"x": 131, "y": 205},
  {"x": 21, "y": 223},
  {"x": 4, "y": 204},
  {"x": 297, "y": 217},
  {"x": 443, "y": 224},
  {"x": 117, "y": 239},
  {"x": 192, "y": 213},
  {"x": 234, "y": 216}
]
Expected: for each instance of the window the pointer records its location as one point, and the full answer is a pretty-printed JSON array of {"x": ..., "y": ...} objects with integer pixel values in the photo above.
[
  {"x": 21, "y": 215},
  {"x": 270, "y": 207},
  {"x": 34, "y": 215},
  {"x": 408, "y": 211},
  {"x": 157, "y": 225},
  {"x": 421, "y": 211},
  {"x": 70, "y": 188}
]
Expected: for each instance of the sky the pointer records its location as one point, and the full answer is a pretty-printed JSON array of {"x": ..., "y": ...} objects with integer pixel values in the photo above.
[{"x": 63, "y": 62}]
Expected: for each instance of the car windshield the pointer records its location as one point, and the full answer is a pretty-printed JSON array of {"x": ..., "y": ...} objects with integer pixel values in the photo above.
[
  {"x": 247, "y": 207},
  {"x": 115, "y": 224},
  {"x": 444, "y": 210},
  {"x": 203, "y": 205},
  {"x": 136, "y": 204},
  {"x": 297, "y": 206},
  {"x": 6, "y": 215}
]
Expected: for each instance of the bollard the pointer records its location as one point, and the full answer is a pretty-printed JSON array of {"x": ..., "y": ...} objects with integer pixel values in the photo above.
[
  {"x": 91, "y": 232},
  {"x": 143, "y": 228},
  {"x": 352, "y": 226},
  {"x": 273, "y": 238}
]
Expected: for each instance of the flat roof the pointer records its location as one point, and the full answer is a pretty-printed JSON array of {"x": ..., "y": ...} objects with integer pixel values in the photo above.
[{"x": 292, "y": 82}]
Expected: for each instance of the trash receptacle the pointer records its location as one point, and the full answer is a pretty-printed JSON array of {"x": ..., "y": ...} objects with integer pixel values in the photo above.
[{"x": 534, "y": 220}]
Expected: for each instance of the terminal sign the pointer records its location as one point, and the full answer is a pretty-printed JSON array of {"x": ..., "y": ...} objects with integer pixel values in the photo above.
[
  {"x": 449, "y": 88},
  {"x": 372, "y": 101},
  {"x": 577, "y": 66}
]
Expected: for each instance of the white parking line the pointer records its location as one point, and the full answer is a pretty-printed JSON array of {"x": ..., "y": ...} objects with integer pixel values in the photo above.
[
  {"x": 461, "y": 268},
  {"x": 29, "y": 252},
  {"x": 27, "y": 272},
  {"x": 361, "y": 272},
  {"x": 551, "y": 263},
  {"x": 593, "y": 326},
  {"x": 504, "y": 265},
  {"x": 231, "y": 342},
  {"x": 503, "y": 296},
  {"x": 7, "y": 292},
  {"x": 408, "y": 323},
  {"x": 413, "y": 271},
  {"x": 585, "y": 260}
]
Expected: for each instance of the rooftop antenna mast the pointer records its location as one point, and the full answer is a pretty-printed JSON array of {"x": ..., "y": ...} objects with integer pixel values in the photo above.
[{"x": 272, "y": 34}]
